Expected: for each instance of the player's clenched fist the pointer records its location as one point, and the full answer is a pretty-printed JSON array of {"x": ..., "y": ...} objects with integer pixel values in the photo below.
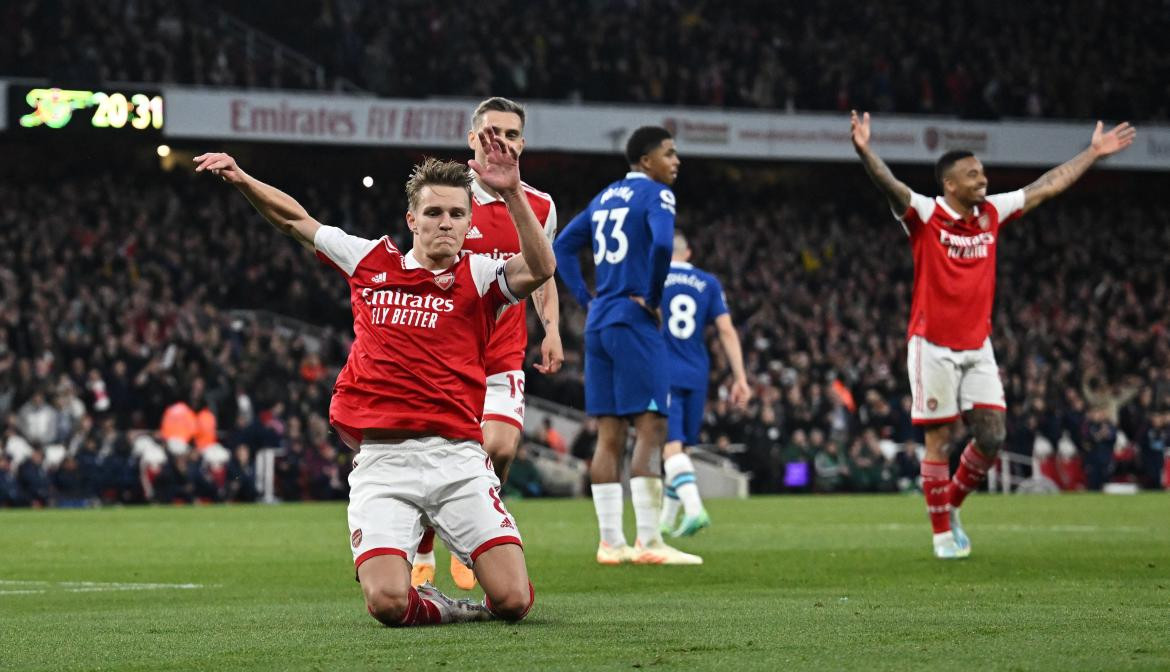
[{"x": 220, "y": 164}]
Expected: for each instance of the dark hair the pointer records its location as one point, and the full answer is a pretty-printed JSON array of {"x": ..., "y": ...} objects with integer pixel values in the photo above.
[
  {"x": 497, "y": 104},
  {"x": 434, "y": 171},
  {"x": 946, "y": 161},
  {"x": 643, "y": 141}
]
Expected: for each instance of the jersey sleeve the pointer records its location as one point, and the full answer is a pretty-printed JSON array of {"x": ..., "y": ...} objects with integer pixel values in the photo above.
[
  {"x": 490, "y": 280},
  {"x": 1009, "y": 206},
  {"x": 917, "y": 214},
  {"x": 566, "y": 247},
  {"x": 550, "y": 222},
  {"x": 660, "y": 210},
  {"x": 718, "y": 303},
  {"x": 341, "y": 250}
]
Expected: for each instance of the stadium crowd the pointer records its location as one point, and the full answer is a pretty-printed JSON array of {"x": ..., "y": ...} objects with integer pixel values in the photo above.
[
  {"x": 155, "y": 334},
  {"x": 1079, "y": 59}
]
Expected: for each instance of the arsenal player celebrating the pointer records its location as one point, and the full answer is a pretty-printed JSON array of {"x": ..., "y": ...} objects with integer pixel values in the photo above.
[
  {"x": 411, "y": 393},
  {"x": 952, "y": 368},
  {"x": 493, "y": 234}
]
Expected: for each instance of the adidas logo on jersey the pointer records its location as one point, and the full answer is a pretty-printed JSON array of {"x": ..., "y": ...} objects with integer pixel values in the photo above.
[
  {"x": 507, "y": 524},
  {"x": 381, "y": 277},
  {"x": 474, "y": 233}
]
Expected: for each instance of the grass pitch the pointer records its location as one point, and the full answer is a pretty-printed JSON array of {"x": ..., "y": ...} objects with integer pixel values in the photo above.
[{"x": 1071, "y": 582}]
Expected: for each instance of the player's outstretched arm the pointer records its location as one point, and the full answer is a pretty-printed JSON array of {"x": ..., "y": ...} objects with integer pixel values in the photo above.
[
  {"x": 741, "y": 392},
  {"x": 896, "y": 191},
  {"x": 280, "y": 209},
  {"x": 1062, "y": 177},
  {"x": 501, "y": 171}
]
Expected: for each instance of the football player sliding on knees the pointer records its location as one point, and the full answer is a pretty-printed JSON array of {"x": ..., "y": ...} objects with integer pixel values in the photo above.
[
  {"x": 952, "y": 368},
  {"x": 421, "y": 316},
  {"x": 493, "y": 234}
]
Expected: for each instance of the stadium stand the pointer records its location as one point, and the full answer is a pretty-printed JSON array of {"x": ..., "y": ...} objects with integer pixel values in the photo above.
[
  {"x": 1078, "y": 59},
  {"x": 135, "y": 300}
]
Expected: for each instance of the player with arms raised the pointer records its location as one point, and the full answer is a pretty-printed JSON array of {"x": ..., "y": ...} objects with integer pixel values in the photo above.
[
  {"x": 411, "y": 393},
  {"x": 493, "y": 234},
  {"x": 630, "y": 226},
  {"x": 951, "y": 365},
  {"x": 692, "y": 299}
]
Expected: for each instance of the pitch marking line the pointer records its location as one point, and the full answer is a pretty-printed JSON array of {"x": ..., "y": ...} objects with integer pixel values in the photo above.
[{"x": 41, "y": 587}]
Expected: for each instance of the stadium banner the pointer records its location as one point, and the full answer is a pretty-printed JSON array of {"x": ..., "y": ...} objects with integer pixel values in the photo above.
[{"x": 350, "y": 120}]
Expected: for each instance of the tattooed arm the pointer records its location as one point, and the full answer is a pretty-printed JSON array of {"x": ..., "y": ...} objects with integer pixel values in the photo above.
[
  {"x": 896, "y": 191},
  {"x": 1062, "y": 177},
  {"x": 546, "y": 301}
]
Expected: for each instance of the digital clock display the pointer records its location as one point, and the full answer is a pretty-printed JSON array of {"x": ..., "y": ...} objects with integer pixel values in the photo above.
[{"x": 76, "y": 109}]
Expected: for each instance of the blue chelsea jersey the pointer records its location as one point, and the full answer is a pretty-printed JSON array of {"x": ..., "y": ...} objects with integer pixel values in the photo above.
[
  {"x": 630, "y": 227},
  {"x": 691, "y": 300}
]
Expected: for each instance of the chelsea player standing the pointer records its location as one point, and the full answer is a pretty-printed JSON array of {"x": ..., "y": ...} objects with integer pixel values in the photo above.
[
  {"x": 630, "y": 225},
  {"x": 692, "y": 299}
]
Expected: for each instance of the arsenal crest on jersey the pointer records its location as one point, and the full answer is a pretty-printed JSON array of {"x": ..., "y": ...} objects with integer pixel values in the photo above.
[
  {"x": 445, "y": 280},
  {"x": 984, "y": 221}
]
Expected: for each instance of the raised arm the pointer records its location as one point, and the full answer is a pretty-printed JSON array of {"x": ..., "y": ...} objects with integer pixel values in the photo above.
[
  {"x": 1062, "y": 177},
  {"x": 535, "y": 264},
  {"x": 741, "y": 393},
  {"x": 897, "y": 193},
  {"x": 280, "y": 209}
]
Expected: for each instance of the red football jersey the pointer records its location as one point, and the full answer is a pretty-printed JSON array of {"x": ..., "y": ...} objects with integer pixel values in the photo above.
[
  {"x": 954, "y": 267},
  {"x": 493, "y": 233},
  {"x": 417, "y": 359}
]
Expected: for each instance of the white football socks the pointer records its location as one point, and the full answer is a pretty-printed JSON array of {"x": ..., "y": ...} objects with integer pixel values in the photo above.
[
  {"x": 646, "y": 493},
  {"x": 607, "y": 501},
  {"x": 670, "y": 507},
  {"x": 680, "y": 474}
]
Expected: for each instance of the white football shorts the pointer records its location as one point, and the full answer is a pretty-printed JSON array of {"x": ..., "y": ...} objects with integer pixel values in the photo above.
[
  {"x": 505, "y": 398},
  {"x": 945, "y": 382},
  {"x": 398, "y": 487}
]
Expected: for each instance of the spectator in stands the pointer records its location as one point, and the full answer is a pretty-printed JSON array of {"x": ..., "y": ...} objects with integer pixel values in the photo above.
[
  {"x": 831, "y": 469},
  {"x": 70, "y": 485},
  {"x": 866, "y": 463},
  {"x": 241, "y": 477},
  {"x": 1153, "y": 444},
  {"x": 33, "y": 480},
  {"x": 907, "y": 468},
  {"x": 38, "y": 420},
  {"x": 586, "y": 441},
  {"x": 1100, "y": 439},
  {"x": 553, "y": 439},
  {"x": 9, "y": 495}
]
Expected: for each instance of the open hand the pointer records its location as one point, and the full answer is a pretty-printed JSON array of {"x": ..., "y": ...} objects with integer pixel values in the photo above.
[
  {"x": 859, "y": 127},
  {"x": 552, "y": 354},
  {"x": 1114, "y": 141},
  {"x": 222, "y": 165},
  {"x": 502, "y": 169}
]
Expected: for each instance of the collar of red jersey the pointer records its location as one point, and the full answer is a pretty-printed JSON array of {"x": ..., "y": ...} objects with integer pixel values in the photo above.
[
  {"x": 412, "y": 263},
  {"x": 951, "y": 213},
  {"x": 481, "y": 195}
]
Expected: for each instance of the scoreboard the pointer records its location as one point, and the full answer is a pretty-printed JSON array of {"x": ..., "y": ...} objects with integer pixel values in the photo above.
[{"x": 52, "y": 109}]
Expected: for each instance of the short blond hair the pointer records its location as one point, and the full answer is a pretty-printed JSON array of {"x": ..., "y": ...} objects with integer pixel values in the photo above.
[
  {"x": 433, "y": 172},
  {"x": 496, "y": 104}
]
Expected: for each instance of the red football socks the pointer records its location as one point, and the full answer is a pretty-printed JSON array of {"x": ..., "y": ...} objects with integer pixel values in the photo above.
[
  {"x": 973, "y": 466},
  {"x": 935, "y": 483},
  {"x": 427, "y": 544}
]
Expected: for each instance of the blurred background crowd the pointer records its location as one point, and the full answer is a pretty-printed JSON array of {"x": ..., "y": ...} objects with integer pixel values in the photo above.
[
  {"x": 155, "y": 334},
  {"x": 149, "y": 347},
  {"x": 1078, "y": 59}
]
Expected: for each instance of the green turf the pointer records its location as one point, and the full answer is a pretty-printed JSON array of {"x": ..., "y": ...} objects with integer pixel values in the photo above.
[{"x": 1055, "y": 583}]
